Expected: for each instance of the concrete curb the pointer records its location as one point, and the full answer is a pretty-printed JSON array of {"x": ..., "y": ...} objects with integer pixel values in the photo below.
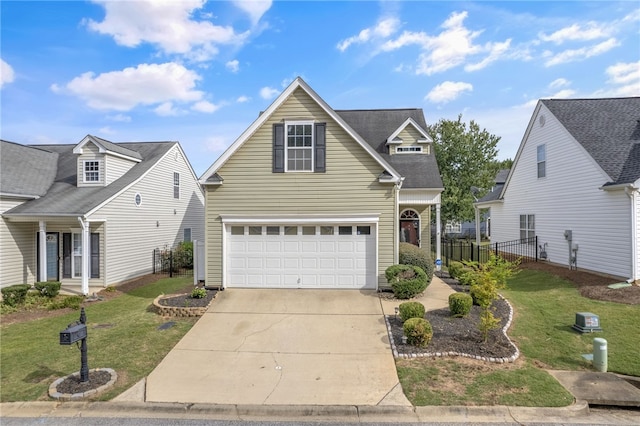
[{"x": 336, "y": 413}]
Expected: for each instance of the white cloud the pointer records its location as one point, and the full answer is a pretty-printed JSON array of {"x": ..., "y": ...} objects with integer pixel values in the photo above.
[
  {"x": 626, "y": 76},
  {"x": 120, "y": 117},
  {"x": 268, "y": 93},
  {"x": 169, "y": 25},
  {"x": 233, "y": 66},
  {"x": 166, "y": 109},
  {"x": 383, "y": 29},
  {"x": 448, "y": 91},
  {"x": 147, "y": 84},
  {"x": 563, "y": 94},
  {"x": 575, "y": 32},
  {"x": 205, "y": 106},
  {"x": 217, "y": 143},
  {"x": 242, "y": 99},
  {"x": 6, "y": 73},
  {"x": 496, "y": 51},
  {"x": 573, "y": 55},
  {"x": 106, "y": 131},
  {"x": 559, "y": 82},
  {"x": 254, "y": 8}
]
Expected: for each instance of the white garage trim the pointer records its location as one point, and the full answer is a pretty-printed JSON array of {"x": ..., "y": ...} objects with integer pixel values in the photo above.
[{"x": 245, "y": 221}]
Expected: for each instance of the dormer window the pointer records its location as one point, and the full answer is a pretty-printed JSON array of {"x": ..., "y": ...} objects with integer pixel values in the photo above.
[
  {"x": 408, "y": 149},
  {"x": 91, "y": 171}
]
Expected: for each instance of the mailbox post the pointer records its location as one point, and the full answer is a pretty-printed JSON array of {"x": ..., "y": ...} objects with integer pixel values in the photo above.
[{"x": 78, "y": 332}]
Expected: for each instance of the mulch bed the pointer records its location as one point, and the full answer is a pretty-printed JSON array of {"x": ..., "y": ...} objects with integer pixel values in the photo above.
[
  {"x": 72, "y": 384},
  {"x": 185, "y": 300}
]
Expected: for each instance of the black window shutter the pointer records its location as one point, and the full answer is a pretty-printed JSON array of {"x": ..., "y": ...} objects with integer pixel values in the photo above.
[
  {"x": 95, "y": 255},
  {"x": 278, "y": 148},
  {"x": 320, "y": 148},
  {"x": 66, "y": 255}
]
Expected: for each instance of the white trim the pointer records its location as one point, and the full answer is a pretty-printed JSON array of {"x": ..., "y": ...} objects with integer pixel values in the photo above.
[
  {"x": 84, "y": 171},
  {"x": 408, "y": 149},
  {"x": 78, "y": 149},
  {"x": 299, "y": 219},
  {"x": 262, "y": 118},
  {"x": 420, "y": 196},
  {"x": 425, "y": 137}
]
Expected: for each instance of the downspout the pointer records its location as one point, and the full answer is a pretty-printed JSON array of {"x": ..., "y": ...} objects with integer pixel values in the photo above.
[
  {"x": 633, "y": 196},
  {"x": 438, "y": 239},
  {"x": 42, "y": 243},
  {"x": 85, "y": 254},
  {"x": 396, "y": 222}
]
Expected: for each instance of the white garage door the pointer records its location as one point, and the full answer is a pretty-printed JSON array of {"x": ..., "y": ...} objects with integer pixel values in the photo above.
[{"x": 301, "y": 256}]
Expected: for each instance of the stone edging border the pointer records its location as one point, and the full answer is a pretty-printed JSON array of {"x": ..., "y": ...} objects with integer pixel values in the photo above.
[
  {"x": 180, "y": 311},
  {"x": 512, "y": 358},
  {"x": 53, "y": 389}
]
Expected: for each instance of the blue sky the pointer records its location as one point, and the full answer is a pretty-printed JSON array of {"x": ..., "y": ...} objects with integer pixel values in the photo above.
[{"x": 200, "y": 72}]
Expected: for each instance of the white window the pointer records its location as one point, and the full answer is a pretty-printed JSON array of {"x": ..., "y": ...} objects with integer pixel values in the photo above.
[
  {"x": 408, "y": 149},
  {"x": 527, "y": 228},
  {"x": 176, "y": 185},
  {"x": 542, "y": 161},
  {"x": 92, "y": 171},
  {"x": 299, "y": 147},
  {"x": 453, "y": 227},
  {"x": 76, "y": 258},
  {"x": 186, "y": 235}
]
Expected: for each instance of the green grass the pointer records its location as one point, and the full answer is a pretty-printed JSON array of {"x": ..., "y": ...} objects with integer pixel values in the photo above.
[
  {"x": 122, "y": 334},
  {"x": 545, "y": 308}
]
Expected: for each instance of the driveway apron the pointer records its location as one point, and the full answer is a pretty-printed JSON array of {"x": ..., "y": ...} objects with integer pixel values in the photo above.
[{"x": 283, "y": 347}]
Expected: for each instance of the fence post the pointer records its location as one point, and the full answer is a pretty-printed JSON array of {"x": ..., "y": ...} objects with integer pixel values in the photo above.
[
  {"x": 170, "y": 263},
  {"x": 536, "y": 248},
  {"x": 154, "y": 260}
]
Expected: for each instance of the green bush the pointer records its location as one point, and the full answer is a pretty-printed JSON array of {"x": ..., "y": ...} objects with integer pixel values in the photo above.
[
  {"x": 72, "y": 302},
  {"x": 418, "y": 331},
  {"x": 406, "y": 280},
  {"x": 199, "y": 293},
  {"x": 183, "y": 255},
  {"x": 468, "y": 273},
  {"x": 411, "y": 310},
  {"x": 408, "y": 254},
  {"x": 15, "y": 295},
  {"x": 455, "y": 269},
  {"x": 48, "y": 288},
  {"x": 460, "y": 304}
]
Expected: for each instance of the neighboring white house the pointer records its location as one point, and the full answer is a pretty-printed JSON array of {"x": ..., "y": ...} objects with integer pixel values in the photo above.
[
  {"x": 91, "y": 214},
  {"x": 575, "y": 185}
]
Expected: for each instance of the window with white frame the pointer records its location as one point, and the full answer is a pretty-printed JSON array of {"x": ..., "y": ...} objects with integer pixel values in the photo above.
[
  {"x": 542, "y": 161},
  {"x": 299, "y": 147},
  {"x": 453, "y": 227},
  {"x": 527, "y": 228},
  {"x": 176, "y": 185},
  {"x": 91, "y": 171},
  {"x": 186, "y": 236},
  {"x": 76, "y": 258},
  {"x": 408, "y": 149}
]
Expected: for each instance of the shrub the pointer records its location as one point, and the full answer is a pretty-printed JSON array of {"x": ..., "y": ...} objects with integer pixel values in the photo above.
[
  {"x": 72, "y": 302},
  {"x": 418, "y": 331},
  {"x": 183, "y": 255},
  {"x": 455, "y": 269},
  {"x": 460, "y": 304},
  {"x": 406, "y": 280},
  {"x": 15, "y": 295},
  {"x": 199, "y": 293},
  {"x": 468, "y": 272},
  {"x": 408, "y": 254},
  {"x": 411, "y": 310},
  {"x": 48, "y": 288}
]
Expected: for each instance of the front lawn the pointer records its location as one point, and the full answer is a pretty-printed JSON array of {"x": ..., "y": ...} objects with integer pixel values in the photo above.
[
  {"x": 123, "y": 334},
  {"x": 545, "y": 307}
]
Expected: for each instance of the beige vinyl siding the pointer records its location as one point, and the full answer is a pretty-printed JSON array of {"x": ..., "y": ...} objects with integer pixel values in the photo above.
[
  {"x": 90, "y": 152},
  {"x": 349, "y": 185},
  {"x": 132, "y": 233},
  {"x": 410, "y": 136},
  {"x": 17, "y": 248},
  {"x": 568, "y": 198},
  {"x": 116, "y": 167}
]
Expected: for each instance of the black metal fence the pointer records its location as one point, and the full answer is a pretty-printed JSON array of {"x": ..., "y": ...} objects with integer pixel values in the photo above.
[
  {"x": 462, "y": 250},
  {"x": 177, "y": 262}
]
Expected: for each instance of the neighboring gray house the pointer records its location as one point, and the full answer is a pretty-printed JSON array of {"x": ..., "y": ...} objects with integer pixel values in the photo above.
[
  {"x": 91, "y": 214},
  {"x": 575, "y": 184}
]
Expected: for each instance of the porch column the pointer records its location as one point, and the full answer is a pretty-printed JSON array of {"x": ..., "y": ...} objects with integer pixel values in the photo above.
[
  {"x": 42, "y": 244},
  {"x": 478, "y": 239},
  {"x": 438, "y": 242},
  {"x": 86, "y": 257}
]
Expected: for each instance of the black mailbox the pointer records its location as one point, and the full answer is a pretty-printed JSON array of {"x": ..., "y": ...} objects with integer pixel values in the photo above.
[{"x": 73, "y": 334}]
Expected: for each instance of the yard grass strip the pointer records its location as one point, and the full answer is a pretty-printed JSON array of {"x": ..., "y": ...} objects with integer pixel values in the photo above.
[{"x": 123, "y": 335}]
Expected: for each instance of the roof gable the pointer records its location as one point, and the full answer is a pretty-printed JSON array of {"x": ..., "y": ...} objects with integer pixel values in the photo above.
[
  {"x": 107, "y": 147},
  {"x": 410, "y": 122},
  {"x": 298, "y": 83}
]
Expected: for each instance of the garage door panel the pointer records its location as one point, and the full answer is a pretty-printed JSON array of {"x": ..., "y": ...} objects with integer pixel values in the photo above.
[{"x": 307, "y": 260}]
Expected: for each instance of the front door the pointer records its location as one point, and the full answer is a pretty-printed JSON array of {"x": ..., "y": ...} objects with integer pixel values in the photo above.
[
  {"x": 52, "y": 256},
  {"x": 409, "y": 232}
]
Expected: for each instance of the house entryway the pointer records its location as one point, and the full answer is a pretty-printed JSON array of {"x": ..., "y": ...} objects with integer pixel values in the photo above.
[
  {"x": 410, "y": 227},
  {"x": 283, "y": 347}
]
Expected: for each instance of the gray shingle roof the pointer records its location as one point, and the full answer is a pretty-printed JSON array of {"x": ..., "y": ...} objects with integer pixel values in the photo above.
[
  {"x": 608, "y": 129},
  {"x": 494, "y": 194},
  {"x": 375, "y": 126},
  {"x": 26, "y": 170},
  {"x": 64, "y": 198},
  {"x": 118, "y": 148}
]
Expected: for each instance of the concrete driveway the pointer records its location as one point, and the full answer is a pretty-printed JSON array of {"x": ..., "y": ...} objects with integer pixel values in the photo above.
[{"x": 283, "y": 347}]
